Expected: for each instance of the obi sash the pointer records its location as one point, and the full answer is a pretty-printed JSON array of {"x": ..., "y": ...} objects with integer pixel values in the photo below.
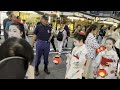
[{"x": 105, "y": 60}]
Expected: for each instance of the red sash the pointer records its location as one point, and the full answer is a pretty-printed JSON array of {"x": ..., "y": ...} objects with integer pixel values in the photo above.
[{"x": 105, "y": 60}]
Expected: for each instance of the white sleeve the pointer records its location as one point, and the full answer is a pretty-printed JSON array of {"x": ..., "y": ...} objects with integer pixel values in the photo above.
[
  {"x": 57, "y": 32},
  {"x": 81, "y": 61},
  {"x": 94, "y": 43},
  {"x": 64, "y": 35},
  {"x": 97, "y": 60},
  {"x": 116, "y": 58}
]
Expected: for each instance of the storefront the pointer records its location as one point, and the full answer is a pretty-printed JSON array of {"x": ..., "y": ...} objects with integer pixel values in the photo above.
[{"x": 29, "y": 16}]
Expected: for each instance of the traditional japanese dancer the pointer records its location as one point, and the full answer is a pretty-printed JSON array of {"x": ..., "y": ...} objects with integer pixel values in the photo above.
[
  {"x": 76, "y": 60},
  {"x": 106, "y": 61}
]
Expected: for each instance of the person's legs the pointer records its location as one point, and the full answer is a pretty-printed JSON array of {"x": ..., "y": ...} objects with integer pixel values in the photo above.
[
  {"x": 91, "y": 75},
  {"x": 66, "y": 43},
  {"x": 60, "y": 46},
  {"x": 53, "y": 44},
  {"x": 39, "y": 52},
  {"x": 46, "y": 55}
]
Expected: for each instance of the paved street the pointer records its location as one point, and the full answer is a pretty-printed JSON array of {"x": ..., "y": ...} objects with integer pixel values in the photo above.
[{"x": 57, "y": 71}]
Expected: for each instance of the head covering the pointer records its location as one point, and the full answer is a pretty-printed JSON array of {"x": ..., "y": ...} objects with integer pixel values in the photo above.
[{"x": 45, "y": 17}]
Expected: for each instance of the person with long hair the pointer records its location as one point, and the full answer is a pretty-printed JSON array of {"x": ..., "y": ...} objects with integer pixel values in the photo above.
[
  {"x": 92, "y": 45},
  {"x": 15, "y": 57}
]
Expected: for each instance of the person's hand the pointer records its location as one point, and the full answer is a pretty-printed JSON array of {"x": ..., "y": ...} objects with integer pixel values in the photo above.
[{"x": 69, "y": 55}]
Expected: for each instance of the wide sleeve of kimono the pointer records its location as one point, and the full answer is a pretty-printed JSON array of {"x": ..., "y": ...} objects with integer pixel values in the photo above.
[
  {"x": 64, "y": 35},
  {"x": 116, "y": 58},
  {"x": 94, "y": 43},
  {"x": 91, "y": 41},
  {"x": 97, "y": 60},
  {"x": 80, "y": 61}
]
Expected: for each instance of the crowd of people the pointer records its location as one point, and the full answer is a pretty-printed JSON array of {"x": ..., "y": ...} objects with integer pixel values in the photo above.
[{"x": 84, "y": 61}]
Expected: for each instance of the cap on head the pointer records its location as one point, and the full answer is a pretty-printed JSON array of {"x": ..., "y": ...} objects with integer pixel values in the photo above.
[{"x": 45, "y": 17}]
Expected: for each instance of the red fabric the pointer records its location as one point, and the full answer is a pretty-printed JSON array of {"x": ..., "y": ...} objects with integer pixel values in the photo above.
[
  {"x": 76, "y": 56},
  {"x": 57, "y": 59},
  {"x": 105, "y": 60},
  {"x": 101, "y": 48},
  {"x": 82, "y": 33},
  {"x": 112, "y": 71},
  {"x": 17, "y": 21}
]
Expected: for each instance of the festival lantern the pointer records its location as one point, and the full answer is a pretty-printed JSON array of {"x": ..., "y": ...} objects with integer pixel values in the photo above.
[
  {"x": 57, "y": 60},
  {"x": 101, "y": 48},
  {"x": 102, "y": 73}
]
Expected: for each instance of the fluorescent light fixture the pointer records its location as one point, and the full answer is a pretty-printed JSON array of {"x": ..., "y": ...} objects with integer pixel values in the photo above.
[
  {"x": 68, "y": 13},
  {"x": 29, "y": 12},
  {"x": 77, "y": 18},
  {"x": 115, "y": 24},
  {"x": 49, "y": 19}
]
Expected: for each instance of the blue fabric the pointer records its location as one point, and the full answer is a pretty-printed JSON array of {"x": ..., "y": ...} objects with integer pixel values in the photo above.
[
  {"x": 8, "y": 25},
  {"x": 42, "y": 32},
  {"x": 42, "y": 48}
]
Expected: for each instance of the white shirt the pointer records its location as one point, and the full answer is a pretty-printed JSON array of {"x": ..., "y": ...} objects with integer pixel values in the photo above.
[
  {"x": 25, "y": 26},
  {"x": 92, "y": 45}
]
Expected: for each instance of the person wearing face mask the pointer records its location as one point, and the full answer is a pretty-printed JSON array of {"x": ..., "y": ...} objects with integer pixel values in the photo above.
[{"x": 107, "y": 61}]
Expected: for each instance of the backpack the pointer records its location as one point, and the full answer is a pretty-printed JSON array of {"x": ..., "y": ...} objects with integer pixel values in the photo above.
[
  {"x": 60, "y": 36},
  {"x": 14, "y": 31}
]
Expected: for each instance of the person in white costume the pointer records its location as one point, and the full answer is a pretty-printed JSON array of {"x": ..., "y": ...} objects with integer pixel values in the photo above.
[
  {"x": 76, "y": 60},
  {"x": 107, "y": 60}
]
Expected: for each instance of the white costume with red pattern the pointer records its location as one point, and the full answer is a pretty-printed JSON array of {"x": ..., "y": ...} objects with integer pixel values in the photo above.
[
  {"x": 75, "y": 65},
  {"x": 111, "y": 69}
]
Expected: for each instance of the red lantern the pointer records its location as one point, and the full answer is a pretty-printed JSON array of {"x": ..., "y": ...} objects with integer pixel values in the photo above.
[
  {"x": 102, "y": 73},
  {"x": 101, "y": 48},
  {"x": 57, "y": 60},
  {"x": 98, "y": 50}
]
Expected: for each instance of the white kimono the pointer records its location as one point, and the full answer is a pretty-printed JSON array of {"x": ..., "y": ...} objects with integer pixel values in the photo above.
[
  {"x": 113, "y": 65},
  {"x": 75, "y": 66}
]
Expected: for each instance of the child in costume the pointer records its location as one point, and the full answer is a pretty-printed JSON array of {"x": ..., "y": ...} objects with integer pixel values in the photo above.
[
  {"x": 106, "y": 61},
  {"x": 76, "y": 60}
]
